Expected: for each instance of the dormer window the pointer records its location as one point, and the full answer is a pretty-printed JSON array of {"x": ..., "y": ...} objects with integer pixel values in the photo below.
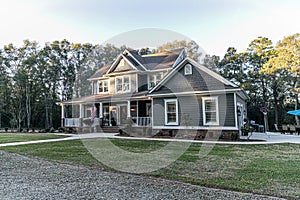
[
  {"x": 154, "y": 79},
  {"x": 188, "y": 69},
  {"x": 103, "y": 86}
]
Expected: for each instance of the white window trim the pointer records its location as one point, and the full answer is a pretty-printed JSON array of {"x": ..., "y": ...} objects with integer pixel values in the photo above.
[
  {"x": 162, "y": 77},
  {"x": 98, "y": 88},
  {"x": 122, "y": 77},
  {"x": 166, "y": 115},
  {"x": 204, "y": 111},
  {"x": 186, "y": 71}
]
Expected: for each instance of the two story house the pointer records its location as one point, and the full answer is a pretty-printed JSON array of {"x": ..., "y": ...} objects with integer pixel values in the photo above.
[{"x": 163, "y": 91}]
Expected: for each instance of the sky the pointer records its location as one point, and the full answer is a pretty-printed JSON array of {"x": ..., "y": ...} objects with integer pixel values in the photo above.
[{"x": 214, "y": 25}]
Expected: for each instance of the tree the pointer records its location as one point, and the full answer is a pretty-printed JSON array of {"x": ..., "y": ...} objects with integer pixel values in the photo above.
[
  {"x": 258, "y": 53},
  {"x": 212, "y": 62},
  {"x": 232, "y": 66},
  {"x": 193, "y": 50},
  {"x": 286, "y": 63}
]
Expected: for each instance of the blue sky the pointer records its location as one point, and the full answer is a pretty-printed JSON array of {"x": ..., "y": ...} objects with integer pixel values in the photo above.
[{"x": 214, "y": 24}]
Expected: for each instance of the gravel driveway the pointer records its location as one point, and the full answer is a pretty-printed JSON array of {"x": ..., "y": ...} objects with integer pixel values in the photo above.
[{"x": 33, "y": 178}]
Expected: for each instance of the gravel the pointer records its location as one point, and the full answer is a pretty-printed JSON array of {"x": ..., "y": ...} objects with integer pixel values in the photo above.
[{"x": 34, "y": 178}]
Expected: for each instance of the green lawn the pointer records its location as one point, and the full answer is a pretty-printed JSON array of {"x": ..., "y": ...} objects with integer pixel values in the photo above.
[
  {"x": 264, "y": 169},
  {"x": 11, "y": 137}
]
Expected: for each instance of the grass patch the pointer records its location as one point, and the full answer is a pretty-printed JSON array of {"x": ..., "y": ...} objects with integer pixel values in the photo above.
[
  {"x": 264, "y": 169},
  {"x": 11, "y": 137},
  {"x": 139, "y": 146}
]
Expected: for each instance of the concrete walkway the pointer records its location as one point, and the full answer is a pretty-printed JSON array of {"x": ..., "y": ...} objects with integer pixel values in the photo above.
[{"x": 264, "y": 138}]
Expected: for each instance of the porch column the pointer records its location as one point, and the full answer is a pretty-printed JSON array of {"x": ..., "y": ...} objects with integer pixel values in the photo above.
[
  {"x": 62, "y": 115},
  {"x": 80, "y": 110},
  {"x": 80, "y": 115},
  {"x": 101, "y": 110},
  {"x": 128, "y": 109}
]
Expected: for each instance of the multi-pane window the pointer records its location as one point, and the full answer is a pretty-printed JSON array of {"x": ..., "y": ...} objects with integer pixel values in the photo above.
[
  {"x": 154, "y": 79},
  {"x": 103, "y": 87},
  {"x": 122, "y": 84},
  {"x": 210, "y": 111},
  {"x": 171, "y": 112}
]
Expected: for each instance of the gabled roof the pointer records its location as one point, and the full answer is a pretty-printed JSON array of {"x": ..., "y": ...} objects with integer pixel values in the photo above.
[
  {"x": 161, "y": 60},
  {"x": 100, "y": 72},
  {"x": 200, "y": 67},
  {"x": 125, "y": 57}
]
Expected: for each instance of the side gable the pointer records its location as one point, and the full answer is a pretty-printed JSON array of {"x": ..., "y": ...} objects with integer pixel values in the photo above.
[{"x": 201, "y": 79}]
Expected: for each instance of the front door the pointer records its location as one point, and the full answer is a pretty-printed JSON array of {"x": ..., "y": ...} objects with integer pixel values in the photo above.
[
  {"x": 113, "y": 117},
  {"x": 122, "y": 114}
]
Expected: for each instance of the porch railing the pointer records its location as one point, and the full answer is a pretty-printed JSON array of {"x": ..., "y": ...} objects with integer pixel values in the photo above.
[
  {"x": 72, "y": 122},
  {"x": 75, "y": 122},
  {"x": 95, "y": 122},
  {"x": 142, "y": 121}
]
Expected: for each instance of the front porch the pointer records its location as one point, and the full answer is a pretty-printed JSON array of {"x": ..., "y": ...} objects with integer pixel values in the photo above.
[{"x": 108, "y": 114}]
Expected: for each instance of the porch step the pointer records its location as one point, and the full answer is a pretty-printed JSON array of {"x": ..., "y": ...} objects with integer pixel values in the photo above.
[{"x": 110, "y": 129}]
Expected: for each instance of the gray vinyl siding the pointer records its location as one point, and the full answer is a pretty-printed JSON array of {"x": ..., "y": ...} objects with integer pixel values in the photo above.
[
  {"x": 197, "y": 81},
  {"x": 190, "y": 108},
  {"x": 226, "y": 110},
  {"x": 190, "y": 111},
  {"x": 158, "y": 112},
  {"x": 143, "y": 82}
]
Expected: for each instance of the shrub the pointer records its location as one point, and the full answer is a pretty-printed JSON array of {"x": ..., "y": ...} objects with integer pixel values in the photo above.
[{"x": 234, "y": 136}]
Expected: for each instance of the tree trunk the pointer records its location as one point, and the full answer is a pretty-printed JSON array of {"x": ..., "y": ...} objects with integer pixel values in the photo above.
[
  {"x": 46, "y": 114},
  {"x": 296, "y": 108},
  {"x": 28, "y": 107},
  {"x": 266, "y": 123}
]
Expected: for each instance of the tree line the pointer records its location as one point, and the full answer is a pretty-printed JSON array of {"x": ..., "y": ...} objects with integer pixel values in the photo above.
[
  {"x": 268, "y": 73},
  {"x": 34, "y": 78}
]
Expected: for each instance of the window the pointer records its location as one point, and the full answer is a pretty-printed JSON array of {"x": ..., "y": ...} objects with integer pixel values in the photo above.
[
  {"x": 171, "y": 112},
  {"x": 122, "y": 84},
  {"x": 103, "y": 86},
  {"x": 210, "y": 111},
  {"x": 188, "y": 69},
  {"x": 122, "y": 62},
  {"x": 154, "y": 79}
]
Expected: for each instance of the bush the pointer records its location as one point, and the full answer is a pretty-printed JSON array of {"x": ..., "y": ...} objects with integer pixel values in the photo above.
[
  {"x": 159, "y": 133},
  {"x": 61, "y": 130},
  {"x": 234, "y": 136},
  {"x": 222, "y": 136}
]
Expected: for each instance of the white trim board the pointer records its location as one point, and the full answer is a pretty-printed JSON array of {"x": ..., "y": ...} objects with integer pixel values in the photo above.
[
  {"x": 225, "y": 91},
  {"x": 197, "y": 127}
]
